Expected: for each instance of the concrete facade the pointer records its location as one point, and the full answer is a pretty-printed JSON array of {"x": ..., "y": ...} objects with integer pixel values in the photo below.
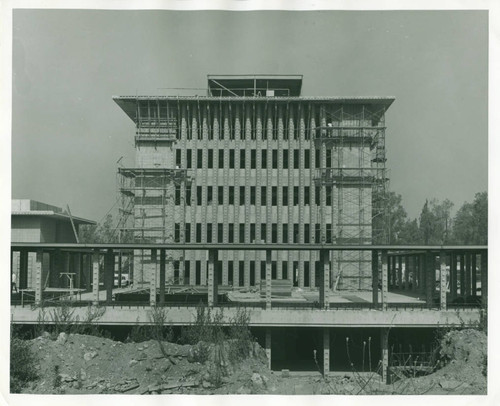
[{"x": 239, "y": 168}]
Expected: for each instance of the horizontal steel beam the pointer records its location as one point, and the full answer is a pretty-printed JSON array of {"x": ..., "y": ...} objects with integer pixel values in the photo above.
[{"x": 250, "y": 247}]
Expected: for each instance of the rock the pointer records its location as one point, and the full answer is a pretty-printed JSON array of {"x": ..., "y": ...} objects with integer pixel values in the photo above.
[
  {"x": 66, "y": 378},
  {"x": 154, "y": 387},
  {"x": 83, "y": 375},
  {"x": 89, "y": 355},
  {"x": 45, "y": 335},
  {"x": 140, "y": 349},
  {"x": 133, "y": 362},
  {"x": 173, "y": 360},
  {"x": 449, "y": 384},
  {"x": 62, "y": 338},
  {"x": 285, "y": 373},
  {"x": 257, "y": 379},
  {"x": 206, "y": 384}
]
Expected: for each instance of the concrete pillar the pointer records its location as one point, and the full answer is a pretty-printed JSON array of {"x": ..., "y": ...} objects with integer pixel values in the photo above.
[
  {"x": 212, "y": 277},
  {"x": 473, "y": 274},
  {"x": 484, "y": 278},
  {"x": 326, "y": 351},
  {"x": 120, "y": 268},
  {"x": 109, "y": 274},
  {"x": 268, "y": 346},
  {"x": 422, "y": 262},
  {"x": 413, "y": 262},
  {"x": 152, "y": 278},
  {"x": 375, "y": 271},
  {"x": 77, "y": 269},
  {"x": 467, "y": 289},
  {"x": 38, "y": 278},
  {"x": 384, "y": 282},
  {"x": 430, "y": 278},
  {"x": 407, "y": 273},
  {"x": 23, "y": 270},
  {"x": 324, "y": 278},
  {"x": 400, "y": 272},
  {"x": 162, "y": 276},
  {"x": 95, "y": 278},
  {"x": 384, "y": 352},
  {"x": 88, "y": 272},
  {"x": 453, "y": 276},
  {"x": 268, "y": 279},
  {"x": 442, "y": 280},
  {"x": 462, "y": 275},
  {"x": 389, "y": 270}
]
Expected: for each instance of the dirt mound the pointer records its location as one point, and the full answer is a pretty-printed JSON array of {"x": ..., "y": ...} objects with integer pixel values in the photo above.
[{"x": 79, "y": 364}]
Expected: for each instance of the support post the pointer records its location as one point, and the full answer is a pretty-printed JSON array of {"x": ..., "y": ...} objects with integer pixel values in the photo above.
[
  {"x": 23, "y": 270},
  {"x": 467, "y": 274},
  {"x": 400, "y": 272},
  {"x": 77, "y": 261},
  {"x": 407, "y": 273},
  {"x": 162, "y": 276},
  {"x": 423, "y": 282},
  {"x": 268, "y": 279},
  {"x": 375, "y": 277},
  {"x": 384, "y": 282},
  {"x": 453, "y": 276},
  {"x": 384, "y": 352},
  {"x": 109, "y": 274},
  {"x": 462, "y": 275},
  {"x": 484, "y": 279},
  {"x": 152, "y": 279},
  {"x": 38, "y": 278},
  {"x": 324, "y": 278},
  {"x": 268, "y": 346},
  {"x": 430, "y": 278},
  {"x": 473, "y": 274},
  {"x": 326, "y": 351},
  {"x": 120, "y": 268},
  {"x": 212, "y": 278},
  {"x": 413, "y": 261},
  {"x": 442, "y": 280},
  {"x": 95, "y": 278}
]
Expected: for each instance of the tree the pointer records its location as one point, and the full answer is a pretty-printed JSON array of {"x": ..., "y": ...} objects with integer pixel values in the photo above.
[
  {"x": 106, "y": 232},
  {"x": 471, "y": 221},
  {"x": 396, "y": 217},
  {"x": 435, "y": 222}
]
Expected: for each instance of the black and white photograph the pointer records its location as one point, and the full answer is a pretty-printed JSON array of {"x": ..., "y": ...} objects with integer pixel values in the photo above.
[{"x": 247, "y": 199}]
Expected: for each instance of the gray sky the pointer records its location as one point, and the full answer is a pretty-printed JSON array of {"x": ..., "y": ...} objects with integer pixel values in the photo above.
[{"x": 67, "y": 133}]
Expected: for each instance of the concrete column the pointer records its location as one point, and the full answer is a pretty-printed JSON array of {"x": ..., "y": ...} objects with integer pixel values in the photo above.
[
  {"x": 152, "y": 278},
  {"x": 407, "y": 273},
  {"x": 375, "y": 277},
  {"x": 484, "y": 278},
  {"x": 400, "y": 272},
  {"x": 23, "y": 270},
  {"x": 389, "y": 270},
  {"x": 422, "y": 262},
  {"x": 462, "y": 275},
  {"x": 95, "y": 278},
  {"x": 467, "y": 289},
  {"x": 414, "y": 272},
  {"x": 442, "y": 280},
  {"x": 384, "y": 296},
  {"x": 120, "y": 266},
  {"x": 324, "y": 278},
  {"x": 473, "y": 274},
  {"x": 38, "y": 278},
  {"x": 453, "y": 276},
  {"x": 212, "y": 277},
  {"x": 162, "y": 276},
  {"x": 268, "y": 346},
  {"x": 88, "y": 272},
  {"x": 268, "y": 279},
  {"x": 77, "y": 269},
  {"x": 384, "y": 352},
  {"x": 430, "y": 278},
  {"x": 326, "y": 351},
  {"x": 109, "y": 274}
]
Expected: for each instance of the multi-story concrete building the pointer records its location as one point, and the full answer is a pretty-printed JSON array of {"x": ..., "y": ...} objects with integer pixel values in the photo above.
[{"x": 255, "y": 161}]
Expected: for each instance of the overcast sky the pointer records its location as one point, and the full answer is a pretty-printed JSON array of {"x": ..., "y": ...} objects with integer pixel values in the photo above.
[{"x": 68, "y": 134}]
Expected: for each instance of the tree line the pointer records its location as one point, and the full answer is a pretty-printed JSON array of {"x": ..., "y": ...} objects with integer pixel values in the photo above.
[{"x": 435, "y": 225}]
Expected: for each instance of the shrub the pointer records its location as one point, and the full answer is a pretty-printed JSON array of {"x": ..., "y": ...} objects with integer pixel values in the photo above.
[{"x": 22, "y": 363}]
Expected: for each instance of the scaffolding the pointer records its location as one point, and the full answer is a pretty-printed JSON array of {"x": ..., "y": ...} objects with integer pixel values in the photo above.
[{"x": 353, "y": 176}]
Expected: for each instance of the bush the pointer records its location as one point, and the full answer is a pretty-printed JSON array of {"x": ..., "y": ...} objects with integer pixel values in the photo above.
[{"x": 22, "y": 364}]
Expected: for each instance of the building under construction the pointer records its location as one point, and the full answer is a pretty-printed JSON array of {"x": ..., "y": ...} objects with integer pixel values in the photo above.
[{"x": 255, "y": 161}]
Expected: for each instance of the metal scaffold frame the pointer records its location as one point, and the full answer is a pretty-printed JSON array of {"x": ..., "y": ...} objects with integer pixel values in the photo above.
[{"x": 356, "y": 183}]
